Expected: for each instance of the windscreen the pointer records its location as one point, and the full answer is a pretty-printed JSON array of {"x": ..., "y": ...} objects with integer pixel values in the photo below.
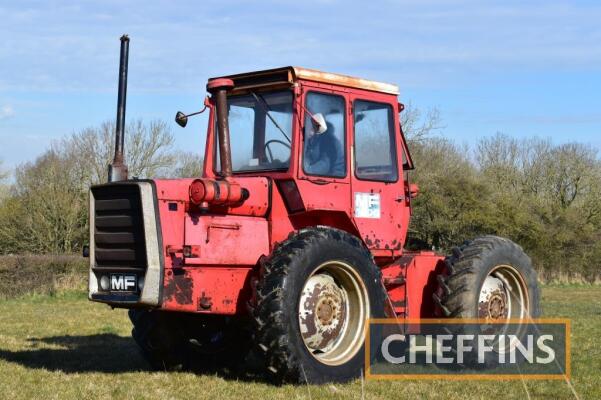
[{"x": 260, "y": 131}]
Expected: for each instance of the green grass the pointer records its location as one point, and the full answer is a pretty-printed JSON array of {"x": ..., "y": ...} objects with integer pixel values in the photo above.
[{"x": 64, "y": 347}]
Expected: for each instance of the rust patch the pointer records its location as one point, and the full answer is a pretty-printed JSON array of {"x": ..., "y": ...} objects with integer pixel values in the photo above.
[
  {"x": 309, "y": 320},
  {"x": 331, "y": 334},
  {"x": 345, "y": 80},
  {"x": 179, "y": 288},
  {"x": 204, "y": 302},
  {"x": 482, "y": 309}
]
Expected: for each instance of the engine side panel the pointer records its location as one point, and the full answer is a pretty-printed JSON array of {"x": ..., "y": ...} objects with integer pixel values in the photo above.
[
  {"x": 225, "y": 240},
  {"x": 224, "y": 244},
  {"x": 207, "y": 289}
]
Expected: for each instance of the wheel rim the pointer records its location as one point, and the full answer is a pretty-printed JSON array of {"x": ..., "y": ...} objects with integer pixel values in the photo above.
[
  {"x": 332, "y": 312},
  {"x": 503, "y": 295}
]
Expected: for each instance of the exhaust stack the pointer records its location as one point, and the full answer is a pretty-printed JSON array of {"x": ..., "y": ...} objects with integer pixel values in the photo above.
[
  {"x": 219, "y": 88},
  {"x": 118, "y": 169}
]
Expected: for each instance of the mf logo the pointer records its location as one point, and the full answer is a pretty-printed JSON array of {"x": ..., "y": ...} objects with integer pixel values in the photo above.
[{"x": 123, "y": 282}]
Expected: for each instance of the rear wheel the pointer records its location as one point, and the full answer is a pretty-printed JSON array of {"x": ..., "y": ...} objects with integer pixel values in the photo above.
[
  {"x": 315, "y": 295},
  {"x": 491, "y": 279}
]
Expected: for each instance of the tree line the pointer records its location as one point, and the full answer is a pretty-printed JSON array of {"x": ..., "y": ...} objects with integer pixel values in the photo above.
[
  {"x": 542, "y": 195},
  {"x": 45, "y": 209}
]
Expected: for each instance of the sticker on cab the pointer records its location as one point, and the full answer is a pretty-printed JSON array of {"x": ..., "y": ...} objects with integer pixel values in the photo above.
[{"x": 367, "y": 205}]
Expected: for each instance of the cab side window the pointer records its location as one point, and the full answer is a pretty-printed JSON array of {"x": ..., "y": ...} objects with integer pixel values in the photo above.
[
  {"x": 375, "y": 149},
  {"x": 324, "y": 151}
]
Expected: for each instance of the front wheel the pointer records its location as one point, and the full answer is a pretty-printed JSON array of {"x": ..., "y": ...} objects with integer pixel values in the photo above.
[
  {"x": 184, "y": 341},
  {"x": 315, "y": 296}
]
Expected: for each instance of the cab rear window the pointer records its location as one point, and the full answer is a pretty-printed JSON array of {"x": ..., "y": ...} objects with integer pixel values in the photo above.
[{"x": 375, "y": 149}]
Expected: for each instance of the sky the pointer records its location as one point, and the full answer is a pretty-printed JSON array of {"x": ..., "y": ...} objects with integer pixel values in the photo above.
[{"x": 524, "y": 68}]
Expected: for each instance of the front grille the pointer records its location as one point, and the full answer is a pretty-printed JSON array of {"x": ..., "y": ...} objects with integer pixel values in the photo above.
[{"x": 119, "y": 242}]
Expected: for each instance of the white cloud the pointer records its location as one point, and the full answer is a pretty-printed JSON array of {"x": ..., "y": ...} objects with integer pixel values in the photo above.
[
  {"x": 6, "y": 112},
  {"x": 53, "y": 47}
]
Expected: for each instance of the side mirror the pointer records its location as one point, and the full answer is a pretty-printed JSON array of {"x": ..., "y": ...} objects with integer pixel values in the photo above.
[{"x": 181, "y": 119}]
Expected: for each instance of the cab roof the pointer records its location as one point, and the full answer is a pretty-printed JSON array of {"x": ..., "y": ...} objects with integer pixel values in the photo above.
[{"x": 290, "y": 75}]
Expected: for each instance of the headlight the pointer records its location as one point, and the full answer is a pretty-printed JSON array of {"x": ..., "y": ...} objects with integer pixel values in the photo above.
[{"x": 104, "y": 282}]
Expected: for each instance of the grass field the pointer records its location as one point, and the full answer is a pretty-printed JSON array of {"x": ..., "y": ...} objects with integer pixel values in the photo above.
[{"x": 64, "y": 347}]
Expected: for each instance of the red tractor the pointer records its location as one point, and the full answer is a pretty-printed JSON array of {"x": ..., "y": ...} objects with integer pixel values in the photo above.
[{"x": 292, "y": 238}]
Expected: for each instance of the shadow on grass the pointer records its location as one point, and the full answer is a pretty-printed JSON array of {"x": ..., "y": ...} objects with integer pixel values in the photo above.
[
  {"x": 108, "y": 353},
  {"x": 94, "y": 353}
]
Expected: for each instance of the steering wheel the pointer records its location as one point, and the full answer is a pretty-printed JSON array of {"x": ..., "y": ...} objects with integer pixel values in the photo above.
[{"x": 268, "y": 150}]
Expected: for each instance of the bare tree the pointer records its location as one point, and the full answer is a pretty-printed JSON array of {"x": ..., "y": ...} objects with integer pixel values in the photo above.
[
  {"x": 3, "y": 186},
  {"x": 47, "y": 209},
  {"x": 556, "y": 174},
  {"x": 188, "y": 165},
  {"x": 573, "y": 173},
  {"x": 3, "y": 174},
  {"x": 418, "y": 125},
  {"x": 48, "y": 212},
  {"x": 148, "y": 148},
  {"x": 501, "y": 159}
]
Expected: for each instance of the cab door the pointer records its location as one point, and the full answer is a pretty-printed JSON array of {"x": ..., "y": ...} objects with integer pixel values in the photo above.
[
  {"x": 323, "y": 171},
  {"x": 380, "y": 204}
]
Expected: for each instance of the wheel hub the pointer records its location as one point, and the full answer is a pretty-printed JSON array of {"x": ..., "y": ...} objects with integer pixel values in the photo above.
[
  {"x": 322, "y": 312},
  {"x": 327, "y": 311},
  {"x": 493, "y": 300},
  {"x": 497, "y": 306}
]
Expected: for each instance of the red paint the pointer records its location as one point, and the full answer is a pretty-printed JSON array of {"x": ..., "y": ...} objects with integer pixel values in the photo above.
[
  {"x": 226, "y": 240},
  {"x": 226, "y": 289},
  {"x": 221, "y": 192},
  {"x": 422, "y": 271},
  {"x": 219, "y": 83},
  {"x": 227, "y": 234}
]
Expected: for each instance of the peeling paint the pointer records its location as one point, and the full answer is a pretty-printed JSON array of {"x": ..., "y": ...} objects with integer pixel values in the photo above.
[{"x": 179, "y": 287}]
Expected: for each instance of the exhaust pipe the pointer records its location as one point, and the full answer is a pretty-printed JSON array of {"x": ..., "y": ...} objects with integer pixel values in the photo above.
[
  {"x": 219, "y": 88},
  {"x": 118, "y": 169}
]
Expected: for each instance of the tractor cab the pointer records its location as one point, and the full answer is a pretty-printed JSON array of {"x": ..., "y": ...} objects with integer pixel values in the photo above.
[{"x": 332, "y": 144}]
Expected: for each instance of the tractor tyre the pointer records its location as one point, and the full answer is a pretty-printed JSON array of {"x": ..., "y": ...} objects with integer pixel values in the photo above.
[
  {"x": 160, "y": 343},
  {"x": 315, "y": 294},
  {"x": 490, "y": 279},
  {"x": 216, "y": 343},
  {"x": 177, "y": 341}
]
